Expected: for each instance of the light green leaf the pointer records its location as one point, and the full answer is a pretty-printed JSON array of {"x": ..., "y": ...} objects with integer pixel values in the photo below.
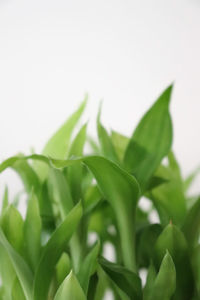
[
  {"x": 120, "y": 143},
  {"x": 5, "y": 201},
  {"x": 59, "y": 192},
  {"x": 32, "y": 232},
  {"x": 12, "y": 225},
  {"x": 17, "y": 292},
  {"x": 107, "y": 147},
  {"x": 58, "y": 145},
  {"x": 165, "y": 283},
  {"x": 63, "y": 268},
  {"x": 22, "y": 270},
  {"x": 70, "y": 289},
  {"x": 151, "y": 140},
  {"x": 52, "y": 252},
  {"x": 7, "y": 273}
]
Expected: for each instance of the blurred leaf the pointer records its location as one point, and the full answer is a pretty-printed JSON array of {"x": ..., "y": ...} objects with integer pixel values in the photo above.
[
  {"x": 87, "y": 267},
  {"x": 155, "y": 182},
  {"x": 169, "y": 198},
  {"x": 63, "y": 268},
  {"x": 7, "y": 273},
  {"x": 5, "y": 201},
  {"x": 165, "y": 283},
  {"x": 172, "y": 239},
  {"x": 52, "y": 252},
  {"x": 120, "y": 143},
  {"x": 74, "y": 173},
  {"x": 91, "y": 198},
  {"x": 32, "y": 231},
  {"x": 151, "y": 276},
  {"x": 70, "y": 289},
  {"x": 151, "y": 140},
  {"x": 145, "y": 243},
  {"x": 189, "y": 180},
  {"x": 17, "y": 292},
  {"x": 126, "y": 280},
  {"x": 191, "y": 226},
  {"x": 12, "y": 225},
  {"x": 59, "y": 191},
  {"x": 22, "y": 270},
  {"x": 107, "y": 147}
]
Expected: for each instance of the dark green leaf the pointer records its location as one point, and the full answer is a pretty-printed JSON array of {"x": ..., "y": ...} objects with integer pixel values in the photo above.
[{"x": 126, "y": 280}]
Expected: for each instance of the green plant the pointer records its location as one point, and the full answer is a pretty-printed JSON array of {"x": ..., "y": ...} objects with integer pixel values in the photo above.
[{"x": 48, "y": 254}]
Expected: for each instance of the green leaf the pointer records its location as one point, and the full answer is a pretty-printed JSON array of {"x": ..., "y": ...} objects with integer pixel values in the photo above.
[
  {"x": 58, "y": 145},
  {"x": 169, "y": 198},
  {"x": 191, "y": 226},
  {"x": 63, "y": 268},
  {"x": 126, "y": 280},
  {"x": 24, "y": 170},
  {"x": 165, "y": 283},
  {"x": 17, "y": 292},
  {"x": 5, "y": 201},
  {"x": 172, "y": 239},
  {"x": 70, "y": 289},
  {"x": 74, "y": 173},
  {"x": 59, "y": 191},
  {"x": 151, "y": 276},
  {"x": 151, "y": 140},
  {"x": 87, "y": 267},
  {"x": 190, "y": 178},
  {"x": 12, "y": 225},
  {"x": 52, "y": 252},
  {"x": 107, "y": 147},
  {"x": 32, "y": 231},
  {"x": 22, "y": 270},
  {"x": 146, "y": 240},
  {"x": 7, "y": 273},
  {"x": 122, "y": 191},
  {"x": 120, "y": 143}
]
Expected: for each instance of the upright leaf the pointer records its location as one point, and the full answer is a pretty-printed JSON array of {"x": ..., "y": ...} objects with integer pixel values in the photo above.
[
  {"x": 191, "y": 226},
  {"x": 12, "y": 225},
  {"x": 172, "y": 239},
  {"x": 32, "y": 232},
  {"x": 107, "y": 147},
  {"x": 75, "y": 172},
  {"x": 58, "y": 144},
  {"x": 151, "y": 140},
  {"x": 122, "y": 191},
  {"x": 17, "y": 292},
  {"x": 120, "y": 143},
  {"x": 70, "y": 289},
  {"x": 52, "y": 252},
  {"x": 88, "y": 266},
  {"x": 165, "y": 283},
  {"x": 22, "y": 270}
]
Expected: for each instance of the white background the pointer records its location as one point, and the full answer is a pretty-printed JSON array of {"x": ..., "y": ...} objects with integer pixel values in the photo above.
[{"x": 126, "y": 52}]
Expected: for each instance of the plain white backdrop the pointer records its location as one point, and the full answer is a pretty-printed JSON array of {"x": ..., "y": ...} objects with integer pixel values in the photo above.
[{"x": 126, "y": 52}]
